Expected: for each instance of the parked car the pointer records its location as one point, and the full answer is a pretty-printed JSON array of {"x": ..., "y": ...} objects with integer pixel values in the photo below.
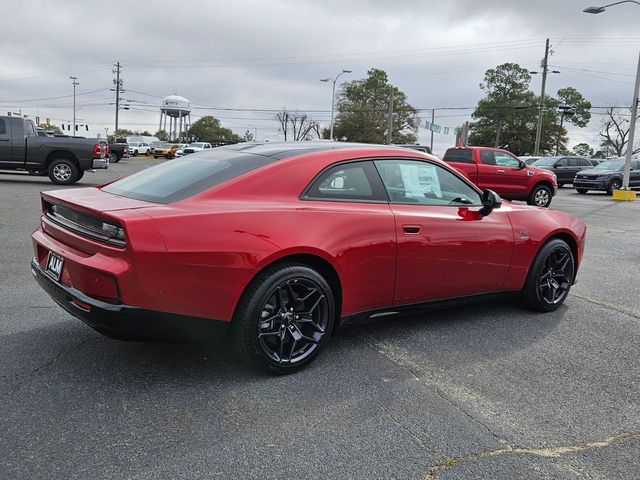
[
  {"x": 501, "y": 171},
  {"x": 180, "y": 151},
  {"x": 420, "y": 148},
  {"x": 195, "y": 147},
  {"x": 564, "y": 167},
  {"x": 607, "y": 176},
  {"x": 166, "y": 150},
  {"x": 64, "y": 159},
  {"x": 351, "y": 231},
  {"x": 118, "y": 151},
  {"x": 139, "y": 148},
  {"x": 528, "y": 160},
  {"x": 154, "y": 144}
]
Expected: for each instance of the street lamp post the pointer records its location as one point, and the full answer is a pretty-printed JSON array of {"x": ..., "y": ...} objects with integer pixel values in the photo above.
[
  {"x": 73, "y": 79},
  {"x": 634, "y": 101},
  {"x": 333, "y": 97}
]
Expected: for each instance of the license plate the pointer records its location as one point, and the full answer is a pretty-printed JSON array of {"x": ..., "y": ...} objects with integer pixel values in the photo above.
[{"x": 54, "y": 265}]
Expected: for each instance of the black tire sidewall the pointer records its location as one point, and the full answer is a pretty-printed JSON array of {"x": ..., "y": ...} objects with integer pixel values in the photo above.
[
  {"x": 611, "y": 187},
  {"x": 75, "y": 171},
  {"x": 530, "y": 292},
  {"x": 535, "y": 190},
  {"x": 245, "y": 326}
]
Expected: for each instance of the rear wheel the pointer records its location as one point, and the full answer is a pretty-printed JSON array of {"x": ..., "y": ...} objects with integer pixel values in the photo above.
[
  {"x": 540, "y": 196},
  {"x": 284, "y": 318},
  {"x": 582, "y": 190},
  {"x": 614, "y": 184},
  {"x": 550, "y": 277},
  {"x": 63, "y": 171},
  {"x": 113, "y": 158}
]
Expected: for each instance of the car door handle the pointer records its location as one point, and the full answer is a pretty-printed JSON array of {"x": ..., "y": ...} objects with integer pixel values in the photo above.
[
  {"x": 4, "y": 139},
  {"x": 500, "y": 170},
  {"x": 411, "y": 229}
]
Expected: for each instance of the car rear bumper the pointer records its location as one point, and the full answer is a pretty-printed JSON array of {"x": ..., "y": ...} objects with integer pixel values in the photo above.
[
  {"x": 125, "y": 321},
  {"x": 100, "y": 162}
]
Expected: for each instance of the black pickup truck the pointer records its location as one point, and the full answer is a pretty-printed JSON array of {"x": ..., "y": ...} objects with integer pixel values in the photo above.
[{"x": 63, "y": 159}]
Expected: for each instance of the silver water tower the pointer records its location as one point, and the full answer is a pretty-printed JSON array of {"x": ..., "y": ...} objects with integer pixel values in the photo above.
[{"x": 177, "y": 110}]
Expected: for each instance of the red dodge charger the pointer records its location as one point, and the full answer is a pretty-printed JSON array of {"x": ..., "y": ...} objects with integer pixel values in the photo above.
[{"x": 281, "y": 242}]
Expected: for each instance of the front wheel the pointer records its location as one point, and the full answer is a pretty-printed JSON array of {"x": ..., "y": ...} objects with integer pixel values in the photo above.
[
  {"x": 135, "y": 153},
  {"x": 284, "y": 318},
  {"x": 63, "y": 172},
  {"x": 614, "y": 184},
  {"x": 540, "y": 196},
  {"x": 550, "y": 277},
  {"x": 581, "y": 191}
]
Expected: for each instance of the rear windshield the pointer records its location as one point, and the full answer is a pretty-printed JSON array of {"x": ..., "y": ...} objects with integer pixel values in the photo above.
[
  {"x": 458, "y": 155},
  {"x": 178, "y": 179}
]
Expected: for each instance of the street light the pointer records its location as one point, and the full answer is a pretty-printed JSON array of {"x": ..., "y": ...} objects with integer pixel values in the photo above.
[
  {"x": 73, "y": 79},
  {"x": 634, "y": 104},
  {"x": 333, "y": 96}
]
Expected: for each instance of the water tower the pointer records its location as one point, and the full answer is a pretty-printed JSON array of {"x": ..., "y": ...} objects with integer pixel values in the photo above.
[{"x": 176, "y": 109}]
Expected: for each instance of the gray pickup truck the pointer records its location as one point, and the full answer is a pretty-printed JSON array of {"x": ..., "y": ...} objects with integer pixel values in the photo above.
[{"x": 63, "y": 159}]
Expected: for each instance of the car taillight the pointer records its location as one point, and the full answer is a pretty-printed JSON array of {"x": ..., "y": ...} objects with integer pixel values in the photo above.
[
  {"x": 97, "y": 150},
  {"x": 107, "y": 150}
]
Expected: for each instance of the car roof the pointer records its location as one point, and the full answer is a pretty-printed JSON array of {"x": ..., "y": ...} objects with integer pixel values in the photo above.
[{"x": 281, "y": 150}]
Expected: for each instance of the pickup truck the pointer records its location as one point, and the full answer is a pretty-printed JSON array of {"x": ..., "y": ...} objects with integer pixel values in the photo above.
[
  {"x": 117, "y": 151},
  {"x": 504, "y": 173},
  {"x": 63, "y": 159}
]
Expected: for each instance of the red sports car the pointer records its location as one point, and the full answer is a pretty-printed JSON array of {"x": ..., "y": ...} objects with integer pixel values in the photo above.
[{"x": 281, "y": 242}]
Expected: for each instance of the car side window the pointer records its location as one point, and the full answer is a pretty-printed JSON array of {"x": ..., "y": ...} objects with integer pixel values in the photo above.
[
  {"x": 585, "y": 163},
  {"x": 505, "y": 160},
  {"x": 3, "y": 127},
  {"x": 30, "y": 129},
  {"x": 486, "y": 156},
  {"x": 412, "y": 181},
  {"x": 347, "y": 182},
  {"x": 572, "y": 162},
  {"x": 562, "y": 162}
]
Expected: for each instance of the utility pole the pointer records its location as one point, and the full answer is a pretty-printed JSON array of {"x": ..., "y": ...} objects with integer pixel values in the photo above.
[
  {"x": 545, "y": 64},
  {"x": 73, "y": 80},
  {"x": 118, "y": 86},
  {"x": 632, "y": 130},
  {"x": 433, "y": 119},
  {"x": 390, "y": 120}
]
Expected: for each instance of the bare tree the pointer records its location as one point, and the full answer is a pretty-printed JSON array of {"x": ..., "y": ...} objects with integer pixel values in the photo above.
[
  {"x": 299, "y": 124},
  {"x": 615, "y": 132}
]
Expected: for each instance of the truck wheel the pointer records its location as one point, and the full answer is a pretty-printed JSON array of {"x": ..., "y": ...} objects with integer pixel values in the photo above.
[
  {"x": 113, "y": 158},
  {"x": 63, "y": 172},
  {"x": 540, "y": 196},
  {"x": 614, "y": 184},
  {"x": 582, "y": 191}
]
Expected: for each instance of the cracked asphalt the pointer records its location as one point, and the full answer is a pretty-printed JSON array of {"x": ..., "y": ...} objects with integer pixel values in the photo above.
[{"x": 484, "y": 391}]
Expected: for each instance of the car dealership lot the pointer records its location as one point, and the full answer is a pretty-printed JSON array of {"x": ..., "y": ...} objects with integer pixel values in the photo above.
[{"x": 488, "y": 391}]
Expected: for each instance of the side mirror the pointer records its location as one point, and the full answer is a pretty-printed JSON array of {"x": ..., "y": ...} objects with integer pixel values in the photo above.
[
  {"x": 521, "y": 164},
  {"x": 558, "y": 164},
  {"x": 490, "y": 200}
]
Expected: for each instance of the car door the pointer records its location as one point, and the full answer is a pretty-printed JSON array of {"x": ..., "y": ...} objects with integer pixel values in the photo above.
[
  {"x": 573, "y": 167},
  {"x": 441, "y": 252},
  {"x": 486, "y": 170},
  {"x": 510, "y": 180},
  {"x": 634, "y": 174},
  {"x": 7, "y": 154}
]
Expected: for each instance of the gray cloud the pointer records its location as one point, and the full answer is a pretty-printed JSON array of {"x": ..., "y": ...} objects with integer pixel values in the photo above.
[{"x": 271, "y": 54}]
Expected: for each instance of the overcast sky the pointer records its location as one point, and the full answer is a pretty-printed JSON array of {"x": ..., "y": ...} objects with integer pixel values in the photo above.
[{"x": 234, "y": 59}]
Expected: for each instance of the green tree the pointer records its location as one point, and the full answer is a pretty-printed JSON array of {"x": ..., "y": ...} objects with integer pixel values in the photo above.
[
  {"x": 208, "y": 129},
  {"x": 508, "y": 115},
  {"x": 362, "y": 111},
  {"x": 162, "y": 136},
  {"x": 583, "y": 150}
]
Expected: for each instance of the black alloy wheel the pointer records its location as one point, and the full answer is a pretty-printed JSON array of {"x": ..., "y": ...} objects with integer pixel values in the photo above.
[
  {"x": 293, "y": 321},
  {"x": 550, "y": 277},
  {"x": 284, "y": 318}
]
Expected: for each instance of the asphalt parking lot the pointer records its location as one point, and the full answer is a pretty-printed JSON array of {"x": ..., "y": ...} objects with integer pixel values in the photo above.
[{"x": 485, "y": 391}]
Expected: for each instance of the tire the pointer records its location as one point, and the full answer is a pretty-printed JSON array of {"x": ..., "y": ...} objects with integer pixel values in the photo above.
[
  {"x": 135, "y": 153},
  {"x": 614, "y": 184},
  {"x": 63, "y": 171},
  {"x": 113, "y": 158},
  {"x": 540, "y": 196},
  {"x": 582, "y": 191},
  {"x": 550, "y": 277},
  {"x": 155, "y": 156},
  {"x": 284, "y": 318},
  {"x": 80, "y": 175}
]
